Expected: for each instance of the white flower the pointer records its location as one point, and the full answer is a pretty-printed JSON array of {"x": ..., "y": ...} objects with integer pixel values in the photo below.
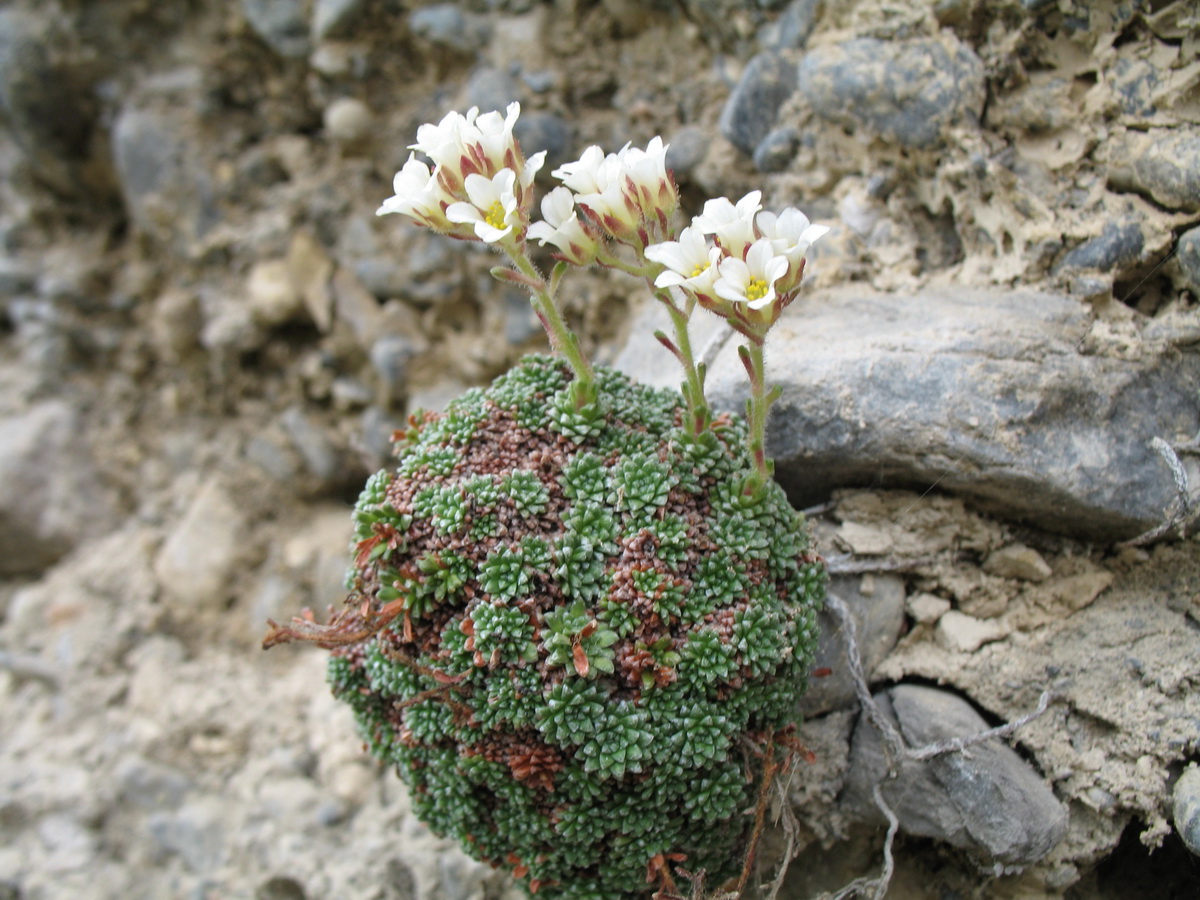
[
  {"x": 614, "y": 211},
  {"x": 690, "y": 262},
  {"x": 733, "y": 226},
  {"x": 583, "y": 175},
  {"x": 445, "y": 143},
  {"x": 495, "y": 137},
  {"x": 563, "y": 229},
  {"x": 531, "y": 167},
  {"x": 646, "y": 178},
  {"x": 462, "y": 145},
  {"x": 790, "y": 233},
  {"x": 751, "y": 281},
  {"x": 492, "y": 210},
  {"x": 418, "y": 195},
  {"x": 623, "y": 191}
]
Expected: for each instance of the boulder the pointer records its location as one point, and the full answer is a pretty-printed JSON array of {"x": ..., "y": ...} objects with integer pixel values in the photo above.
[{"x": 984, "y": 393}]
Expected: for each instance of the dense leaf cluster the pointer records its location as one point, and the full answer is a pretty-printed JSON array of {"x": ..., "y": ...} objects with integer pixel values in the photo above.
[{"x": 595, "y": 629}]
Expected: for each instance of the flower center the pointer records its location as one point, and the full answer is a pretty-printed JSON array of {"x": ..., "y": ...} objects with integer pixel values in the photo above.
[
  {"x": 495, "y": 216},
  {"x": 699, "y": 270},
  {"x": 756, "y": 289}
]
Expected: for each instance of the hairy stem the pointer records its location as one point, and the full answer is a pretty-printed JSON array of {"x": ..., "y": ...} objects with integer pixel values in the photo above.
[
  {"x": 757, "y": 407},
  {"x": 562, "y": 340}
]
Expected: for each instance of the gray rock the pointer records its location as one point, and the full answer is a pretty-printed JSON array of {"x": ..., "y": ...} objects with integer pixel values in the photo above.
[
  {"x": 382, "y": 275},
  {"x": 687, "y": 149},
  {"x": 282, "y": 24},
  {"x": 776, "y": 150},
  {"x": 150, "y": 785},
  {"x": 1186, "y": 807},
  {"x": 537, "y": 131},
  {"x": 52, "y": 495},
  {"x": 16, "y": 276},
  {"x": 447, "y": 25},
  {"x": 321, "y": 456},
  {"x": 47, "y": 108},
  {"x": 988, "y": 800},
  {"x": 280, "y": 887},
  {"x": 520, "y": 322},
  {"x": 906, "y": 91},
  {"x": 1119, "y": 244},
  {"x": 196, "y": 832},
  {"x": 750, "y": 111},
  {"x": 333, "y": 19},
  {"x": 202, "y": 552},
  {"x": 401, "y": 884},
  {"x": 167, "y": 192},
  {"x": 491, "y": 89},
  {"x": 982, "y": 392},
  {"x": 792, "y": 28},
  {"x": 1164, "y": 164},
  {"x": 376, "y": 432},
  {"x": 1187, "y": 252},
  {"x": 876, "y": 602},
  {"x": 390, "y": 356},
  {"x": 1135, "y": 81}
]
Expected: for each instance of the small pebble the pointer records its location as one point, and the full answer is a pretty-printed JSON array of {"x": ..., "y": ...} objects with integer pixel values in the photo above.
[
  {"x": 1187, "y": 251},
  {"x": 960, "y": 633},
  {"x": 926, "y": 608},
  {"x": 1186, "y": 807},
  {"x": 1017, "y": 561},
  {"x": 348, "y": 122},
  {"x": 750, "y": 112},
  {"x": 776, "y": 150},
  {"x": 1117, "y": 245}
]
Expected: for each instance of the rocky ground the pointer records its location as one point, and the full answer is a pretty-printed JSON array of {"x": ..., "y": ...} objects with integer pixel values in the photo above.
[{"x": 207, "y": 338}]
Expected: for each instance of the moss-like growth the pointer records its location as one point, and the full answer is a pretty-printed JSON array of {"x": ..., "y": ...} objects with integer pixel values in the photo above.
[{"x": 586, "y": 624}]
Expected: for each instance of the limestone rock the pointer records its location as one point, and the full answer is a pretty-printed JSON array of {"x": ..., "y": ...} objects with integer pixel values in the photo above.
[
  {"x": 1017, "y": 561},
  {"x": 926, "y": 608},
  {"x": 906, "y": 91},
  {"x": 51, "y": 495},
  {"x": 1162, "y": 163},
  {"x": 202, "y": 551},
  {"x": 961, "y": 633},
  {"x": 988, "y": 801}
]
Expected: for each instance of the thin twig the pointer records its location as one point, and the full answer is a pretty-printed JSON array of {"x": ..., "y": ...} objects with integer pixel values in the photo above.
[
  {"x": 791, "y": 827},
  {"x": 958, "y": 744},
  {"x": 846, "y": 564},
  {"x": 1180, "y": 514}
]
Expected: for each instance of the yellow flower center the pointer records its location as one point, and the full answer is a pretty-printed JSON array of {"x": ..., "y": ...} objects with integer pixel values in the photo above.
[
  {"x": 699, "y": 270},
  {"x": 495, "y": 216},
  {"x": 756, "y": 289}
]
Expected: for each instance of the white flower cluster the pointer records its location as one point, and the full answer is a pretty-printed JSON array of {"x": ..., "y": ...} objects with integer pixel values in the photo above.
[
  {"x": 480, "y": 185},
  {"x": 740, "y": 262},
  {"x": 625, "y": 197},
  {"x": 754, "y": 257}
]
